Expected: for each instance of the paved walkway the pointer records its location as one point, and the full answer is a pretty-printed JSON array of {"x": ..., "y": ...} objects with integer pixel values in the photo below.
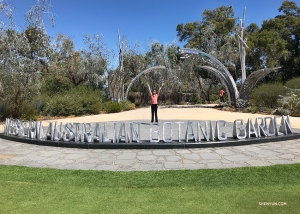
[
  {"x": 284, "y": 152},
  {"x": 13, "y": 153}
]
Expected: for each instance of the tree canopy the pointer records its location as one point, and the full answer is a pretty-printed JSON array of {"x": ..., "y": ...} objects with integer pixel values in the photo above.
[{"x": 33, "y": 63}]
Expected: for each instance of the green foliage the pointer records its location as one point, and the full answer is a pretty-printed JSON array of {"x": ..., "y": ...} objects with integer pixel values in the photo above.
[
  {"x": 96, "y": 108},
  {"x": 131, "y": 98},
  {"x": 214, "y": 97},
  {"x": 52, "y": 85},
  {"x": 293, "y": 83},
  {"x": 269, "y": 44},
  {"x": 286, "y": 25},
  {"x": 250, "y": 109},
  {"x": 5, "y": 110},
  {"x": 195, "y": 99},
  {"x": 290, "y": 100},
  {"x": 267, "y": 95},
  {"x": 285, "y": 112},
  {"x": 268, "y": 110},
  {"x": 29, "y": 113},
  {"x": 112, "y": 107},
  {"x": 137, "y": 104},
  {"x": 127, "y": 105},
  {"x": 79, "y": 100},
  {"x": 296, "y": 112}
]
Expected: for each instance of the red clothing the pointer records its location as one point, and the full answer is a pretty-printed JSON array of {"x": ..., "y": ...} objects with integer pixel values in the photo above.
[
  {"x": 221, "y": 93},
  {"x": 154, "y": 98}
]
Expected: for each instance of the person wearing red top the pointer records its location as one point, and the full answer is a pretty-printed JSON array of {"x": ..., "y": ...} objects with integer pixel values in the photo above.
[
  {"x": 154, "y": 102},
  {"x": 221, "y": 94}
]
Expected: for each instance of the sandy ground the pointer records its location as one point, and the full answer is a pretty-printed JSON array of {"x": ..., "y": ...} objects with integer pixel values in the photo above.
[{"x": 164, "y": 113}]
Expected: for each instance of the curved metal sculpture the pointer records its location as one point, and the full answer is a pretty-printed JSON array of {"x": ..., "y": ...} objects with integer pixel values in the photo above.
[
  {"x": 224, "y": 81},
  {"x": 251, "y": 81},
  {"x": 139, "y": 75},
  {"x": 223, "y": 73}
]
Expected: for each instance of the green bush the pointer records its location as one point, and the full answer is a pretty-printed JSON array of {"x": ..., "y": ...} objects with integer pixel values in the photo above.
[
  {"x": 195, "y": 99},
  {"x": 127, "y": 105},
  {"x": 137, "y": 104},
  {"x": 29, "y": 113},
  {"x": 268, "y": 110},
  {"x": 80, "y": 100},
  {"x": 267, "y": 95},
  {"x": 131, "y": 98},
  {"x": 52, "y": 85},
  {"x": 113, "y": 107},
  {"x": 254, "y": 109},
  {"x": 293, "y": 83},
  {"x": 215, "y": 97},
  {"x": 96, "y": 108},
  {"x": 296, "y": 112},
  {"x": 5, "y": 110}
]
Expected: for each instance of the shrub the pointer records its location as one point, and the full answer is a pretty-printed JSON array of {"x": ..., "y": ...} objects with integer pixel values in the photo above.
[
  {"x": 214, "y": 97},
  {"x": 5, "y": 110},
  {"x": 38, "y": 105},
  {"x": 268, "y": 110},
  {"x": 80, "y": 100},
  {"x": 296, "y": 112},
  {"x": 113, "y": 107},
  {"x": 195, "y": 99},
  {"x": 29, "y": 113},
  {"x": 253, "y": 109},
  {"x": 250, "y": 109},
  {"x": 96, "y": 108},
  {"x": 52, "y": 85},
  {"x": 267, "y": 95},
  {"x": 127, "y": 105},
  {"x": 291, "y": 100},
  {"x": 293, "y": 83},
  {"x": 137, "y": 104},
  {"x": 131, "y": 98},
  {"x": 246, "y": 110}
]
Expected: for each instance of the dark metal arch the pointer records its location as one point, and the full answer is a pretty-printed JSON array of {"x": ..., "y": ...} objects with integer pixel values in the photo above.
[
  {"x": 252, "y": 80},
  {"x": 139, "y": 75},
  {"x": 225, "y": 83},
  {"x": 227, "y": 79}
]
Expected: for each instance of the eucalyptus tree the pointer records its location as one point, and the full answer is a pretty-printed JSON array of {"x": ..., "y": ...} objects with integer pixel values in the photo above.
[
  {"x": 276, "y": 43},
  {"x": 95, "y": 60},
  {"x": 135, "y": 61},
  {"x": 217, "y": 35},
  {"x": 74, "y": 67},
  {"x": 288, "y": 27},
  {"x": 131, "y": 62},
  {"x": 23, "y": 57},
  {"x": 164, "y": 55}
]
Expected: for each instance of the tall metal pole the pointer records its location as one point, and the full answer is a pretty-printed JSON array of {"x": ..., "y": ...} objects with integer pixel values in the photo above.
[
  {"x": 121, "y": 63},
  {"x": 242, "y": 47}
]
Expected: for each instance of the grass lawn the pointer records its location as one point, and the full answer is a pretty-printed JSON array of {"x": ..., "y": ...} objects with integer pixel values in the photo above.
[{"x": 238, "y": 190}]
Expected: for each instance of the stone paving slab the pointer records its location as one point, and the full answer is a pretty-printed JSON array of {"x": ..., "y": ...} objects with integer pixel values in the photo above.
[{"x": 15, "y": 153}]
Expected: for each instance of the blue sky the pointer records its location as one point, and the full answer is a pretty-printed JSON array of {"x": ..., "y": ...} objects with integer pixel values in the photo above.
[{"x": 138, "y": 20}]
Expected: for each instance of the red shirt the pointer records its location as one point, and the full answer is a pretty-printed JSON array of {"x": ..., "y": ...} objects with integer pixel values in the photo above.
[
  {"x": 154, "y": 98},
  {"x": 221, "y": 93}
]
